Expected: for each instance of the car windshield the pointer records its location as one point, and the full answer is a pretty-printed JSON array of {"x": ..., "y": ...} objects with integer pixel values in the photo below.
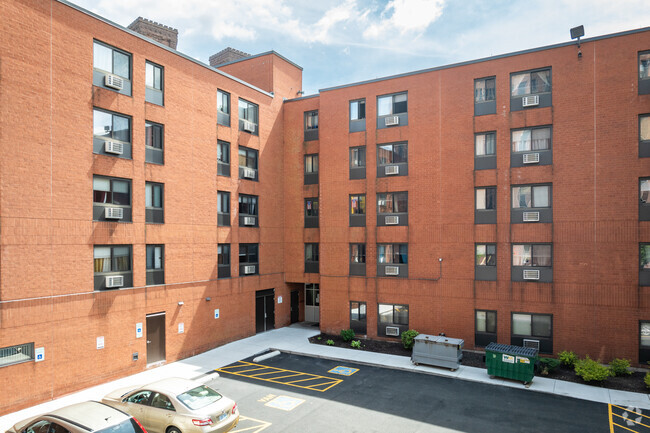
[
  {"x": 126, "y": 426},
  {"x": 199, "y": 397}
]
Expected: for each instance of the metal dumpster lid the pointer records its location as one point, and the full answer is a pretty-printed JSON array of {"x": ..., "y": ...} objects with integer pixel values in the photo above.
[
  {"x": 512, "y": 350},
  {"x": 438, "y": 339}
]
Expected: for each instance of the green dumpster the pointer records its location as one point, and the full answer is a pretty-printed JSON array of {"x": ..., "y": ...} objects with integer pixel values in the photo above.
[{"x": 511, "y": 362}]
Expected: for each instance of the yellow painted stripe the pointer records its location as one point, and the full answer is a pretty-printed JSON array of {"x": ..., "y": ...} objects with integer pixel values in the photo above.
[
  {"x": 283, "y": 377},
  {"x": 305, "y": 380},
  {"x": 626, "y": 409},
  {"x": 631, "y": 420},
  {"x": 611, "y": 421},
  {"x": 622, "y": 426},
  {"x": 323, "y": 384}
]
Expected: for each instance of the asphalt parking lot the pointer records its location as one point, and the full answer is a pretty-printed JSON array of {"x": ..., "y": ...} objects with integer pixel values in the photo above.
[{"x": 290, "y": 393}]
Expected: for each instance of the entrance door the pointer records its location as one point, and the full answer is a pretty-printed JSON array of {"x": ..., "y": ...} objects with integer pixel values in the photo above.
[
  {"x": 155, "y": 338},
  {"x": 295, "y": 306},
  {"x": 312, "y": 303},
  {"x": 264, "y": 310},
  {"x": 358, "y": 317}
]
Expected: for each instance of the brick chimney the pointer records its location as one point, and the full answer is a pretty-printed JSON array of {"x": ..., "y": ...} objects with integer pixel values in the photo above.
[
  {"x": 158, "y": 32},
  {"x": 227, "y": 55}
]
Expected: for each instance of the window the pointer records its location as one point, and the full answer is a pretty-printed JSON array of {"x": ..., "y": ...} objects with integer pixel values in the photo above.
[
  {"x": 536, "y": 140},
  {"x": 393, "y": 319},
  {"x": 111, "y": 134},
  {"x": 223, "y": 108},
  {"x": 485, "y": 96},
  {"x": 485, "y": 265},
  {"x": 16, "y": 354},
  {"x": 644, "y": 267},
  {"x": 392, "y": 159},
  {"x": 248, "y": 164},
  {"x": 531, "y": 203},
  {"x": 311, "y": 169},
  {"x": 223, "y": 208},
  {"x": 485, "y": 150},
  {"x": 248, "y": 117},
  {"x": 357, "y": 210},
  {"x": 644, "y": 199},
  {"x": 644, "y": 342},
  {"x": 530, "y": 89},
  {"x": 391, "y": 203},
  {"x": 112, "y": 265},
  {"x": 526, "y": 326},
  {"x": 109, "y": 61},
  {"x": 358, "y": 316},
  {"x": 358, "y": 259},
  {"x": 154, "y": 133},
  {"x": 311, "y": 258},
  {"x": 223, "y": 260},
  {"x": 248, "y": 259},
  {"x": 485, "y": 210},
  {"x": 248, "y": 210},
  {"x": 155, "y": 264},
  {"x": 358, "y": 115},
  {"x": 485, "y": 331},
  {"x": 154, "y": 212},
  {"x": 311, "y": 125},
  {"x": 223, "y": 158},
  {"x": 392, "y": 110},
  {"x": 111, "y": 199},
  {"x": 311, "y": 212},
  {"x": 154, "y": 80},
  {"x": 532, "y": 262},
  {"x": 644, "y": 134},
  {"x": 358, "y": 162},
  {"x": 644, "y": 73},
  {"x": 392, "y": 260}
]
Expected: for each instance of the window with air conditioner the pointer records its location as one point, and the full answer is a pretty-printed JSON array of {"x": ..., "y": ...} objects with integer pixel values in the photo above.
[
  {"x": 111, "y": 68},
  {"x": 223, "y": 260},
  {"x": 154, "y": 83},
  {"x": 358, "y": 259},
  {"x": 154, "y": 203},
  {"x": 485, "y": 150},
  {"x": 392, "y": 110},
  {"x": 390, "y": 316},
  {"x": 644, "y": 265},
  {"x": 391, "y": 256},
  {"x": 248, "y": 259},
  {"x": 248, "y": 161},
  {"x": 248, "y": 211},
  {"x": 311, "y": 125},
  {"x": 248, "y": 117},
  {"x": 644, "y": 136},
  {"x": 111, "y": 134},
  {"x": 223, "y": 108},
  {"x": 154, "y": 137},
  {"x": 531, "y": 147},
  {"x": 485, "y": 264},
  {"x": 485, "y": 98},
  {"x": 223, "y": 208},
  {"x": 111, "y": 193},
  {"x": 532, "y": 262},
  {"x": 485, "y": 327},
  {"x": 530, "y": 89},
  {"x": 357, "y": 210},
  {"x": 311, "y": 258},
  {"x": 358, "y": 115},
  {"x": 311, "y": 212},
  {"x": 532, "y": 327},
  {"x": 311, "y": 169},
  {"x": 392, "y": 160},
  {"x": 358, "y": 162},
  {"x": 110, "y": 263},
  {"x": 531, "y": 204},
  {"x": 485, "y": 205},
  {"x": 223, "y": 158},
  {"x": 392, "y": 204},
  {"x": 155, "y": 264},
  {"x": 644, "y": 73}
]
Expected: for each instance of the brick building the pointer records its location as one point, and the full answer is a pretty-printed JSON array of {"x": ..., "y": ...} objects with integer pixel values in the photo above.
[{"x": 144, "y": 219}]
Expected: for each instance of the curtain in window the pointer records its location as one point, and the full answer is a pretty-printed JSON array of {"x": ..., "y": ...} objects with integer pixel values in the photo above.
[
  {"x": 490, "y": 89},
  {"x": 645, "y": 256},
  {"x": 540, "y": 196},
  {"x": 645, "y": 334},
  {"x": 102, "y": 259},
  {"x": 486, "y": 199},
  {"x": 521, "y": 324},
  {"x": 357, "y": 158},
  {"x": 520, "y": 84},
  {"x": 644, "y": 128},
  {"x": 402, "y": 254},
  {"x": 542, "y": 255},
  {"x": 521, "y": 140},
  {"x": 485, "y": 144},
  {"x": 541, "y": 139},
  {"x": 401, "y": 203},
  {"x": 521, "y": 255},
  {"x": 490, "y": 144},
  {"x": 479, "y": 91},
  {"x": 521, "y": 197},
  {"x": 385, "y": 253},
  {"x": 540, "y": 81},
  {"x": 401, "y": 315},
  {"x": 644, "y": 66},
  {"x": 121, "y": 259}
]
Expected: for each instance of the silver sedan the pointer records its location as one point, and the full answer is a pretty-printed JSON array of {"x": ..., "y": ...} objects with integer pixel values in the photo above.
[{"x": 177, "y": 405}]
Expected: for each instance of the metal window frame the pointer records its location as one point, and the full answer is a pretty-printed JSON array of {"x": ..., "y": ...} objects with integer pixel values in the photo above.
[
  {"x": 229, "y": 102},
  {"x": 496, "y": 323},
  {"x": 532, "y": 334},
  {"x": 532, "y": 196},
  {"x": 530, "y": 71},
  {"x": 130, "y": 55},
  {"x": 113, "y": 114},
  {"x": 112, "y": 247},
  {"x": 492, "y": 77}
]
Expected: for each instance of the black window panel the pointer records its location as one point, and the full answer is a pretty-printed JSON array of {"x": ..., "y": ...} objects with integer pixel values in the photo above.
[
  {"x": 248, "y": 158},
  {"x": 154, "y": 135},
  {"x": 223, "y": 152},
  {"x": 392, "y": 202},
  {"x": 311, "y": 207},
  {"x": 311, "y": 252},
  {"x": 223, "y": 254},
  {"x": 248, "y": 204},
  {"x": 486, "y": 255},
  {"x": 119, "y": 192},
  {"x": 223, "y": 102},
  {"x": 392, "y": 153},
  {"x": 248, "y": 253},
  {"x": 358, "y": 109},
  {"x": 358, "y": 157},
  {"x": 485, "y": 90},
  {"x": 223, "y": 202},
  {"x": 358, "y": 253},
  {"x": 155, "y": 257}
]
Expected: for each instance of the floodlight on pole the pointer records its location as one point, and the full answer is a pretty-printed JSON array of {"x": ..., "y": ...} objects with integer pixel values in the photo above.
[{"x": 576, "y": 33}]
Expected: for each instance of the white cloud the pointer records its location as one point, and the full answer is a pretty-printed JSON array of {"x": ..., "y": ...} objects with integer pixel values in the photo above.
[{"x": 405, "y": 17}]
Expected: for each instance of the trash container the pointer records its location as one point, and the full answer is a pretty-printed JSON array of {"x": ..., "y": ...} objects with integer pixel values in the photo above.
[
  {"x": 511, "y": 362},
  {"x": 438, "y": 351}
]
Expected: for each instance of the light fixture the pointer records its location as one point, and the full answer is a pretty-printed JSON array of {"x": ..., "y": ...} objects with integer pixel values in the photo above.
[
  {"x": 181, "y": 303},
  {"x": 208, "y": 299},
  {"x": 576, "y": 33}
]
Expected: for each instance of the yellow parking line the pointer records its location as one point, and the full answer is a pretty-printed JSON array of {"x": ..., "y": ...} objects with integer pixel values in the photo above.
[
  {"x": 333, "y": 383},
  {"x": 283, "y": 377},
  {"x": 626, "y": 409},
  {"x": 304, "y": 380},
  {"x": 631, "y": 420},
  {"x": 622, "y": 426}
]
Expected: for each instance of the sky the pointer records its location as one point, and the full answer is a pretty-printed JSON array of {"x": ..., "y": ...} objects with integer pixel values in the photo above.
[{"x": 345, "y": 41}]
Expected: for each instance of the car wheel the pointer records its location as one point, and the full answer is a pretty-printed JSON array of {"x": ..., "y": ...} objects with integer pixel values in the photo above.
[{"x": 173, "y": 429}]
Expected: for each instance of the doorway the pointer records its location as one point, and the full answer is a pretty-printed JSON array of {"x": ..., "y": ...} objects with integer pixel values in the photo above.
[
  {"x": 155, "y": 338},
  {"x": 264, "y": 310},
  {"x": 358, "y": 317},
  {"x": 312, "y": 303},
  {"x": 295, "y": 306}
]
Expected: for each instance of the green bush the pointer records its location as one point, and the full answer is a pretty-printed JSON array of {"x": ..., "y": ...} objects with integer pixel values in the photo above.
[
  {"x": 347, "y": 334},
  {"x": 408, "y": 338},
  {"x": 330, "y": 342},
  {"x": 619, "y": 367},
  {"x": 356, "y": 344},
  {"x": 568, "y": 359},
  {"x": 590, "y": 370},
  {"x": 548, "y": 365},
  {"x": 646, "y": 380}
]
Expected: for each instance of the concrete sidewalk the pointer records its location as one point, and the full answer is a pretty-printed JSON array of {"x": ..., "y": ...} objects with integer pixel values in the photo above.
[{"x": 294, "y": 339}]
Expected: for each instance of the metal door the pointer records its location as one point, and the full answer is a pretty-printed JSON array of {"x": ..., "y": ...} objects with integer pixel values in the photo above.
[
  {"x": 312, "y": 303},
  {"x": 295, "y": 306},
  {"x": 264, "y": 310},
  {"x": 269, "y": 310},
  {"x": 155, "y": 338}
]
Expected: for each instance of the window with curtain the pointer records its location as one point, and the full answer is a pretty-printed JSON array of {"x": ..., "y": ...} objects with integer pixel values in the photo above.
[
  {"x": 311, "y": 252},
  {"x": 392, "y": 202},
  {"x": 486, "y": 255},
  {"x": 154, "y": 257},
  {"x": 311, "y": 164},
  {"x": 531, "y": 196},
  {"x": 248, "y": 204},
  {"x": 531, "y": 255},
  {"x": 358, "y": 157},
  {"x": 223, "y": 202},
  {"x": 392, "y": 104},
  {"x": 112, "y": 259},
  {"x": 526, "y": 140},
  {"x": 485, "y": 144},
  {"x": 534, "y": 325},
  {"x": 311, "y": 120},
  {"x": 486, "y": 198},
  {"x": 392, "y": 253},
  {"x": 644, "y": 190},
  {"x": 486, "y": 321},
  {"x": 111, "y": 191},
  {"x": 527, "y": 83},
  {"x": 485, "y": 90},
  {"x": 153, "y": 135},
  {"x": 358, "y": 253},
  {"x": 311, "y": 207},
  {"x": 358, "y": 204},
  {"x": 644, "y": 127},
  {"x": 248, "y": 158}
]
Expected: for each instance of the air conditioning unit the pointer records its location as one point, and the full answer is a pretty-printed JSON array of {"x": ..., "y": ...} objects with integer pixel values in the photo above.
[
  {"x": 249, "y": 221},
  {"x": 249, "y": 126},
  {"x": 533, "y": 344},
  {"x": 392, "y": 169},
  {"x": 530, "y": 101},
  {"x": 249, "y": 270},
  {"x": 249, "y": 173},
  {"x": 392, "y": 331},
  {"x": 113, "y": 81},
  {"x": 113, "y": 147},
  {"x": 531, "y": 158},
  {"x": 531, "y": 217},
  {"x": 114, "y": 213},
  {"x": 114, "y": 281},
  {"x": 391, "y": 220},
  {"x": 391, "y": 270},
  {"x": 531, "y": 274},
  {"x": 391, "y": 120}
]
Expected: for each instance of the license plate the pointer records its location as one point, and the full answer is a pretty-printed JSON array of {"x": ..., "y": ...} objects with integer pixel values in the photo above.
[{"x": 223, "y": 416}]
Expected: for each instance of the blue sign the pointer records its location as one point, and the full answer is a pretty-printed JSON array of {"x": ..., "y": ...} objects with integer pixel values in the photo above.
[{"x": 343, "y": 371}]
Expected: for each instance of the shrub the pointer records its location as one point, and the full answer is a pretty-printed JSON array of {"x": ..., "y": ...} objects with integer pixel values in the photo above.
[
  {"x": 347, "y": 334},
  {"x": 548, "y": 365},
  {"x": 356, "y": 344},
  {"x": 330, "y": 342},
  {"x": 408, "y": 338},
  {"x": 568, "y": 359},
  {"x": 619, "y": 367},
  {"x": 590, "y": 370},
  {"x": 319, "y": 338},
  {"x": 646, "y": 380}
]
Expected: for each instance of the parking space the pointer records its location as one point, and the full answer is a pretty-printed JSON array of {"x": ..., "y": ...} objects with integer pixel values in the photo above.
[{"x": 628, "y": 419}]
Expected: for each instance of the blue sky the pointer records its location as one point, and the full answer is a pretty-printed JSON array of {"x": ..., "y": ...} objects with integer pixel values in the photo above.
[{"x": 345, "y": 41}]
